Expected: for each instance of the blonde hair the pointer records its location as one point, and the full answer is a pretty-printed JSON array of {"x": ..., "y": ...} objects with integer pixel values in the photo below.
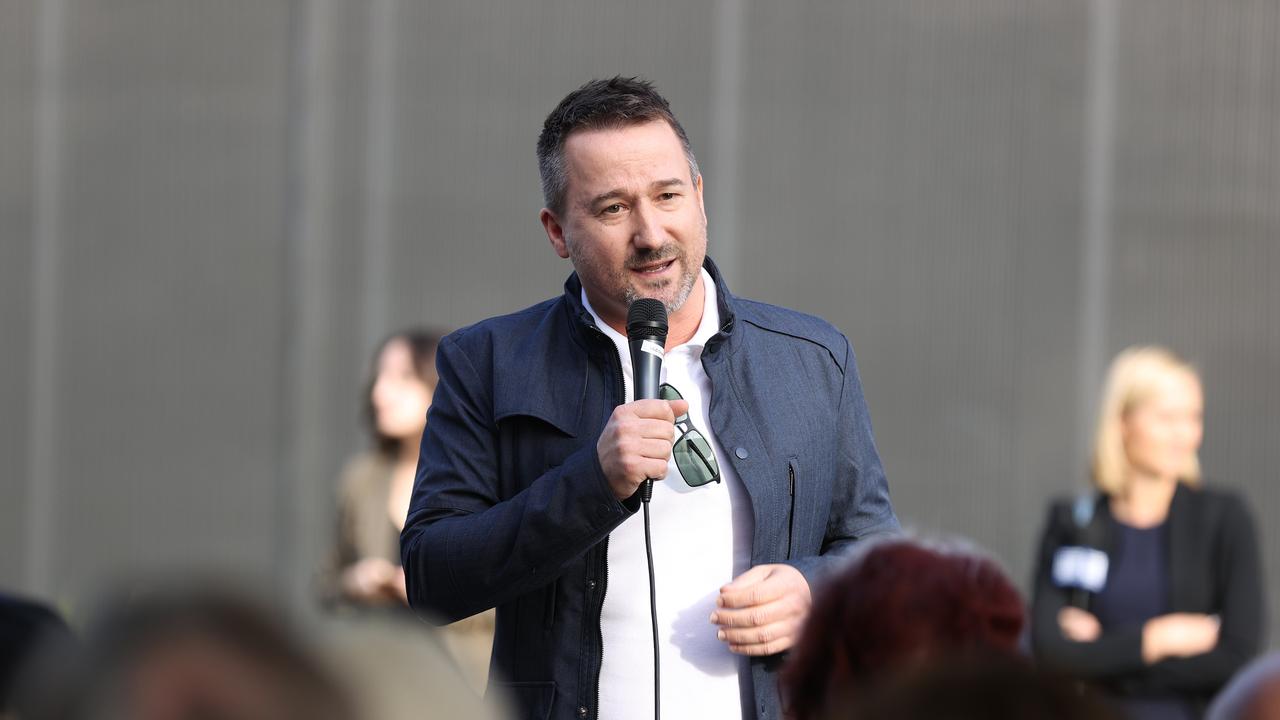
[{"x": 1132, "y": 380}]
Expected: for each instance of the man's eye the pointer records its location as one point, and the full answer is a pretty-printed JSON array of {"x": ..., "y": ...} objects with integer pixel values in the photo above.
[
  {"x": 613, "y": 209},
  {"x": 664, "y": 197}
]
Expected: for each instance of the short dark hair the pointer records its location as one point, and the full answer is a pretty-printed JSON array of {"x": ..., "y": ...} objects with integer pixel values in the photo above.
[{"x": 600, "y": 104}]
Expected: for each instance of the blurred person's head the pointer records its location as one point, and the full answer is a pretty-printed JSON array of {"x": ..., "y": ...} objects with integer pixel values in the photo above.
[
  {"x": 189, "y": 655},
  {"x": 623, "y": 195},
  {"x": 396, "y": 667},
  {"x": 900, "y": 605},
  {"x": 1252, "y": 694},
  {"x": 26, "y": 627},
  {"x": 400, "y": 385},
  {"x": 993, "y": 687},
  {"x": 1150, "y": 422}
]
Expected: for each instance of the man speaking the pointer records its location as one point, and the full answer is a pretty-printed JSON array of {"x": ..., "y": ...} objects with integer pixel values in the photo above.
[{"x": 526, "y": 494}]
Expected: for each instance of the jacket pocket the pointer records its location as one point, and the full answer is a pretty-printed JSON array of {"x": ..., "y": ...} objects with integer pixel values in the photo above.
[
  {"x": 531, "y": 700},
  {"x": 549, "y": 610},
  {"x": 793, "y": 472}
]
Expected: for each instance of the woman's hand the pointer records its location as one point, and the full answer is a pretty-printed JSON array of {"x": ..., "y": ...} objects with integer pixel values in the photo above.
[
  {"x": 374, "y": 580},
  {"x": 1079, "y": 625},
  {"x": 1178, "y": 635}
]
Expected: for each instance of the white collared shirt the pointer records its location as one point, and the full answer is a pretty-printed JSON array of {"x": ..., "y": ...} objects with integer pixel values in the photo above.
[{"x": 701, "y": 541}]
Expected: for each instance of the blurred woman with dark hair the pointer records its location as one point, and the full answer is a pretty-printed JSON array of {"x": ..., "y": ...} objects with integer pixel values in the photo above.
[
  {"x": 902, "y": 606},
  {"x": 375, "y": 487},
  {"x": 373, "y": 499},
  {"x": 1150, "y": 587}
]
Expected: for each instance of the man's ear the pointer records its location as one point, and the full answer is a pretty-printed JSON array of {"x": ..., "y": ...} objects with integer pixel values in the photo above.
[
  {"x": 697, "y": 184},
  {"x": 555, "y": 233}
]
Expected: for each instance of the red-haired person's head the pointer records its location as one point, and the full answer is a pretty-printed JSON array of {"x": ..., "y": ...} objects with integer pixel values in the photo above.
[{"x": 898, "y": 607}]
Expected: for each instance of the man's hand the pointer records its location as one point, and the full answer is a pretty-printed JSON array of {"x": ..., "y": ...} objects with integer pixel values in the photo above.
[
  {"x": 636, "y": 443},
  {"x": 1079, "y": 625},
  {"x": 1178, "y": 635},
  {"x": 762, "y": 610}
]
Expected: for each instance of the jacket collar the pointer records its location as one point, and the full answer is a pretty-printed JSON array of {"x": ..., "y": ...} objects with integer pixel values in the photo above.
[
  {"x": 583, "y": 322},
  {"x": 554, "y": 363}
]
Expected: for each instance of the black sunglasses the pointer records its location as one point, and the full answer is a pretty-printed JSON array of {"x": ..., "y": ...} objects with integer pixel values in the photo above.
[{"x": 694, "y": 458}]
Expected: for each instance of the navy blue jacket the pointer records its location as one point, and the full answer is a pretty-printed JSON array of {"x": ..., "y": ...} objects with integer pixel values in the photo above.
[{"x": 511, "y": 509}]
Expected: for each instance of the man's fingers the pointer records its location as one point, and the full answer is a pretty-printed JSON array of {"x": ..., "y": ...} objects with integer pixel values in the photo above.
[
  {"x": 639, "y": 468},
  {"x": 654, "y": 449},
  {"x": 678, "y": 408},
  {"x": 656, "y": 430},
  {"x": 636, "y": 426},
  {"x": 759, "y": 635},
  {"x": 773, "y": 647},
  {"x": 658, "y": 448},
  {"x": 757, "y": 615},
  {"x": 654, "y": 410},
  {"x": 753, "y": 587},
  {"x": 750, "y": 577}
]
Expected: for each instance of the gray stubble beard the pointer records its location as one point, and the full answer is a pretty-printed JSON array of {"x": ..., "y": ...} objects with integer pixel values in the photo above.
[{"x": 687, "y": 280}]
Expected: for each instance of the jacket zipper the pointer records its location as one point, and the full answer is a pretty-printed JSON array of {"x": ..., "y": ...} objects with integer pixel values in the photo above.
[
  {"x": 791, "y": 515},
  {"x": 604, "y": 546}
]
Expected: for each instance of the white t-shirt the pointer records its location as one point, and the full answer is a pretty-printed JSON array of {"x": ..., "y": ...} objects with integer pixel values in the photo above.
[{"x": 701, "y": 541}]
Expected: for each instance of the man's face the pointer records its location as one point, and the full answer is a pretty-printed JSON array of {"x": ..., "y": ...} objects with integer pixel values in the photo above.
[{"x": 633, "y": 222}]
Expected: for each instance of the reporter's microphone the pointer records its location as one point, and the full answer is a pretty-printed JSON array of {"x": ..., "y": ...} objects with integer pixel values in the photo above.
[{"x": 647, "y": 336}]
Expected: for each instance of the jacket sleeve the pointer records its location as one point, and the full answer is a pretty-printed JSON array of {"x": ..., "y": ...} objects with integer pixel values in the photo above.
[
  {"x": 1238, "y": 576},
  {"x": 465, "y": 547},
  {"x": 860, "y": 506},
  {"x": 1112, "y": 654}
]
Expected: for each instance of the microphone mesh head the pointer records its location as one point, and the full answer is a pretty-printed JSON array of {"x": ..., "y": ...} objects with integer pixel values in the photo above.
[{"x": 647, "y": 318}]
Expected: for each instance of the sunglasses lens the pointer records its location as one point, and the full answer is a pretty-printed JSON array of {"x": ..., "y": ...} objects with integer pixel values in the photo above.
[
  {"x": 695, "y": 460},
  {"x": 692, "y": 452}
]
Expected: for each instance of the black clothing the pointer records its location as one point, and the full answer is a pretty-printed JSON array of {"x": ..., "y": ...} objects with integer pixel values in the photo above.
[
  {"x": 1211, "y": 566},
  {"x": 1137, "y": 586}
]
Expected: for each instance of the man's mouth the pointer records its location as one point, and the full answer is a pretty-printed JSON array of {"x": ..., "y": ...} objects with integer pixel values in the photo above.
[{"x": 653, "y": 268}]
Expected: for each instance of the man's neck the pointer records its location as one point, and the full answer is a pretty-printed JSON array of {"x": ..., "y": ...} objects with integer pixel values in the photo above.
[{"x": 681, "y": 325}]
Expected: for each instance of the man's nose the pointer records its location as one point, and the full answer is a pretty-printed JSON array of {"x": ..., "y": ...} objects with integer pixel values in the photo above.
[{"x": 647, "y": 232}]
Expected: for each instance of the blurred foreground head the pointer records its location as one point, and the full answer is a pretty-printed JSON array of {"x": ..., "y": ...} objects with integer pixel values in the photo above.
[
  {"x": 1253, "y": 694},
  {"x": 398, "y": 668},
  {"x": 210, "y": 654},
  {"x": 26, "y": 628},
  {"x": 902, "y": 605},
  {"x": 991, "y": 688},
  {"x": 182, "y": 655}
]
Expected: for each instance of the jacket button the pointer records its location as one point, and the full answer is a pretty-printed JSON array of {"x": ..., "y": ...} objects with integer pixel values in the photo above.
[
  {"x": 582, "y": 711},
  {"x": 591, "y": 584},
  {"x": 741, "y": 453}
]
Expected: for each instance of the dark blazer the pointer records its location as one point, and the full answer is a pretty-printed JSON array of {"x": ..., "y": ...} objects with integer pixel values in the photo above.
[{"x": 1213, "y": 569}]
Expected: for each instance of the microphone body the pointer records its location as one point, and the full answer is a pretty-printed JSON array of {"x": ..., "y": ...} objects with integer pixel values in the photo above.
[
  {"x": 646, "y": 366},
  {"x": 647, "y": 337}
]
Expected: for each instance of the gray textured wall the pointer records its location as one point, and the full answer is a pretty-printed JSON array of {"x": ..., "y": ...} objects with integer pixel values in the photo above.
[{"x": 210, "y": 212}]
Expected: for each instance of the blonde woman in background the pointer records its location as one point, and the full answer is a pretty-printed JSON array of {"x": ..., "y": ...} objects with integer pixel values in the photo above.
[
  {"x": 1151, "y": 587},
  {"x": 373, "y": 499}
]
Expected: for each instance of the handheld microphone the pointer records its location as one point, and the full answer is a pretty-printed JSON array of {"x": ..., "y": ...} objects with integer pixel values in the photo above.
[{"x": 647, "y": 336}]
